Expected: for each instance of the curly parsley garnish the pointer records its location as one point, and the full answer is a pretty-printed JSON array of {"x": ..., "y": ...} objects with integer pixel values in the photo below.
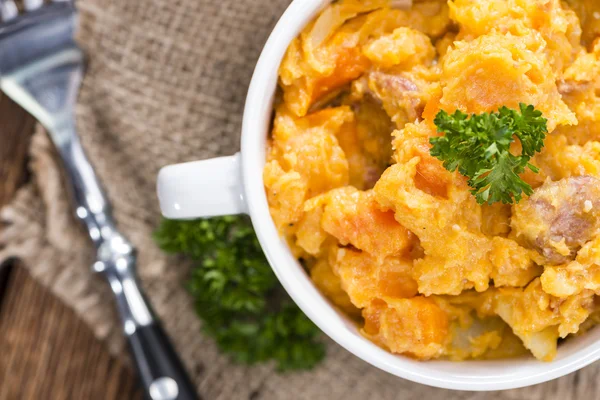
[
  {"x": 478, "y": 146},
  {"x": 237, "y": 295}
]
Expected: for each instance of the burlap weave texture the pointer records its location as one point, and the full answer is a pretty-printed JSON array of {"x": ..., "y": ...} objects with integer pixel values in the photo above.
[{"x": 166, "y": 83}]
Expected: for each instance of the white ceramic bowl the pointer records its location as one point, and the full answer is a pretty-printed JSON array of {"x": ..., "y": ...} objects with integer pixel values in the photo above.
[{"x": 233, "y": 185}]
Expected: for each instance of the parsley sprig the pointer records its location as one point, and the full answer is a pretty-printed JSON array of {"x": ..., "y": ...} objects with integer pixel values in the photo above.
[
  {"x": 238, "y": 296},
  {"x": 478, "y": 146}
]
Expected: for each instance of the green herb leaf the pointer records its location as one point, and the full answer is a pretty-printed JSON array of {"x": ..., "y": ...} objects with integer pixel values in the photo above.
[
  {"x": 479, "y": 147},
  {"x": 237, "y": 295}
]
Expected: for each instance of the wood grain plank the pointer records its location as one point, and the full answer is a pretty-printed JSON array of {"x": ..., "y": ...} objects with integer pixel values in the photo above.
[
  {"x": 49, "y": 353},
  {"x": 16, "y": 127}
]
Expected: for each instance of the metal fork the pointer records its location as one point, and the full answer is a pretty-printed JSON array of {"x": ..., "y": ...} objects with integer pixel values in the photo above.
[{"x": 41, "y": 68}]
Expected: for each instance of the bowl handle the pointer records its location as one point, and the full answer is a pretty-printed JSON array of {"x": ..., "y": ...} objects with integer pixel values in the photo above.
[{"x": 198, "y": 189}]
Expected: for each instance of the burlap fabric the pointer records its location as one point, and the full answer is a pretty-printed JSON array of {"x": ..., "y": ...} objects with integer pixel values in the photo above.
[{"x": 166, "y": 83}]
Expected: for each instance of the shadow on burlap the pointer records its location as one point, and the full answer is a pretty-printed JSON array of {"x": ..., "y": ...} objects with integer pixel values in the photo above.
[{"x": 166, "y": 83}]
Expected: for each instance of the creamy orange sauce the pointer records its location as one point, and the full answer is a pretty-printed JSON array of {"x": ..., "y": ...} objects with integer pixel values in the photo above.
[{"x": 394, "y": 239}]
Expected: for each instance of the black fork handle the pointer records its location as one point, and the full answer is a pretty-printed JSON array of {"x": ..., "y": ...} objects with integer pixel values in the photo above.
[{"x": 160, "y": 370}]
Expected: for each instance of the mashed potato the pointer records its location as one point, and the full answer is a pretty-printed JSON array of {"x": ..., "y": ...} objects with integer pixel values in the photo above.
[{"x": 386, "y": 232}]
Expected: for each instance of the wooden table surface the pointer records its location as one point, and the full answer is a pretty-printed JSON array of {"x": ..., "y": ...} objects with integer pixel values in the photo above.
[{"x": 47, "y": 352}]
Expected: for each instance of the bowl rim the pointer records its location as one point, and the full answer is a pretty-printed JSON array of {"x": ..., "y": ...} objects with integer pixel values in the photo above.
[{"x": 479, "y": 375}]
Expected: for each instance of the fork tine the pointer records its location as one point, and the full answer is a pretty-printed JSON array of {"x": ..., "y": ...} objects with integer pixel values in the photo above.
[
  {"x": 8, "y": 10},
  {"x": 32, "y": 4}
]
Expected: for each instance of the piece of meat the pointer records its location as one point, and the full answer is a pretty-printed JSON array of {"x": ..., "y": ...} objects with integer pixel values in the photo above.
[
  {"x": 566, "y": 87},
  {"x": 393, "y": 82},
  {"x": 559, "y": 217},
  {"x": 399, "y": 94}
]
